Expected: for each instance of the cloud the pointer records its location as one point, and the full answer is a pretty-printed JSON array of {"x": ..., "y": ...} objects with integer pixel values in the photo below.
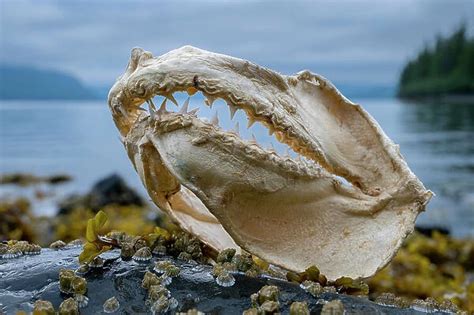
[{"x": 346, "y": 41}]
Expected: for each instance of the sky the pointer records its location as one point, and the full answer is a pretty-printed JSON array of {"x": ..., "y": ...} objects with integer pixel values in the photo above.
[{"x": 353, "y": 42}]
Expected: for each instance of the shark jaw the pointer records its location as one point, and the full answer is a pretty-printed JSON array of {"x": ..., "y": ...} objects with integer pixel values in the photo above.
[{"x": 344, "y": 203}]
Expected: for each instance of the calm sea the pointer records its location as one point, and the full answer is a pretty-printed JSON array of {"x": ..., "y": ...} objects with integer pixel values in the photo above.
[{"x": 80, "y": 139}]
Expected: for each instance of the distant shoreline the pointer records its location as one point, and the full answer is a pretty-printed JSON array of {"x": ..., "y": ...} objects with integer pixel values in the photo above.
[{"x": 446, "y": 98}]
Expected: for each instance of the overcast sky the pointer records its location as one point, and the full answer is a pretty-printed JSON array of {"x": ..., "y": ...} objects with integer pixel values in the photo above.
[{"x": 346, "y": 41}]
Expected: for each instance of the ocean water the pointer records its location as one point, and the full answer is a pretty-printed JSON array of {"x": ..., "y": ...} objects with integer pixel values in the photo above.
[{"x": 79, "y": 138}]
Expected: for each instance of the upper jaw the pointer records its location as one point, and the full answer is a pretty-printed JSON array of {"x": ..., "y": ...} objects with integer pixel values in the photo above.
[{"x": 300, "y": 109}]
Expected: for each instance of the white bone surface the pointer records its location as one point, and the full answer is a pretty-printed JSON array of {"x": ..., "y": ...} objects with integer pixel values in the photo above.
[{"x": 347, "y": 211}]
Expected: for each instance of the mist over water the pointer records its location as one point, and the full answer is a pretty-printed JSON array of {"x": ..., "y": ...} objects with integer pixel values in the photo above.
[{"x": 79, "y": 138}]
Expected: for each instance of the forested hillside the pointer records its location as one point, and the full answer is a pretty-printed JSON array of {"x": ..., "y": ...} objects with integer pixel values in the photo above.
[{"x": 445, "y": 68}]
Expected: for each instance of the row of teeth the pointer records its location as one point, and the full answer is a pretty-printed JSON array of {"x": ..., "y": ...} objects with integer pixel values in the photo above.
[{"x": 157, "y": 112}]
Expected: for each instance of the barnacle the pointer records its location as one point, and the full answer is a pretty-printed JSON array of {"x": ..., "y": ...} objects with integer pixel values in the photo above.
[
  {"x": 226, "y": 255},
  {"x": 42, "y": 307},
  {"x": 352, "y": 286},
  {"x": 187, "y": 244},
  {"x": 142, "y": 255},
  {"x": 69, "y": 283},
  {"x": 82, "y": 300},
  {"x": 127, "y": 251},
  {"x": 159, "y": 249},
  {"x": 97, "y": 262},
  {"x": 334, "y": 307},
  {"x": 311, "y": 273},
  {"x": 172, "y": 271},
  {"x": 251, "y": 311},
  {"x": 162, "y": 265},
  {"x": 66, "y": 277},
  {"x": 24, "y": 247},
  {"x": 389, "y": 299},
  {"x": 75, "y": 243},
  {"x": 270, "y": 307},
  {"x": 314, "y": 288},
  {"x": 57, "y": 245},
  {"x": 32, "y": 249},
  {"x": 161, "y": 305},
  {"x": 243, "y": 261},
  {"x": 79, "y": 285},
  {"x": 253, "y": 272},
  {"x": 225, "y": 279},
  {"x": 156, "y": 291},
  {"x": 299, "y": 308},
  {"x": 13, "y": 252},
  {"x": 265, "y": 301},
  {"x": 139, "y": 243},
  {"x": 69, "y": 307},
  {"x": 3, "y": 249},
  {"x": 111, "y": 305},
  {"x": 185, "y": 256},
  {"x": 217, "y": 269},
  {"x": 150, "y": 279},
  {"x": 268, "y": 293}
]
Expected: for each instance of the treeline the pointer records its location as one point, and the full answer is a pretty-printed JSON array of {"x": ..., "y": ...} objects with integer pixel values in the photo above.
[{"x": 445, "y": 68}]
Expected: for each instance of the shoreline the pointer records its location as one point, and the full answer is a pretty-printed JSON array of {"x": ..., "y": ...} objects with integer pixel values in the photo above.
[{"x": 446, "y": 98}]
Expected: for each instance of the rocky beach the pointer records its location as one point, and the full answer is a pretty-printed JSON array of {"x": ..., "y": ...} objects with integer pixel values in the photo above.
[{"x": 432, "y": 272}]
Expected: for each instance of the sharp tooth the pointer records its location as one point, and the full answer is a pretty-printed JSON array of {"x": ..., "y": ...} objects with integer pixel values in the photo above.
[
  {"x": 215, "y": 119},
  {"x": 253, "y": 138},
  {"x": 162, "y": 107},
  {"x": 250, "y": 122},
  {"x": 151, "y": 107},
  {"x": 272, "y": 148},
  {"x": 236, "y": 129},
  {"x": 151, "y": 104},
  {"x": 209, "y": 101},
  {"x": 172, "y": 99},
  {"x": 184, "y": 109},
  {"x": 287, "y": 153},
  {"x": 233, "y": 110},
  {"x": 194, "y": 112},
  {"x": 271, "y": 130}
]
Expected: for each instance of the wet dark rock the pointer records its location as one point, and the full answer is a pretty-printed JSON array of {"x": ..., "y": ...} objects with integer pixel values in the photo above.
[
  {"x": 27, "y": 279},
  {"x": 107, "y": 191},
  {"x": 25, "y": 179}
]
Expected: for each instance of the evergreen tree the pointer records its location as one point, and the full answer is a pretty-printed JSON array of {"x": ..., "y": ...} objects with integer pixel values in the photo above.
[{"x": 445, "y": 68}]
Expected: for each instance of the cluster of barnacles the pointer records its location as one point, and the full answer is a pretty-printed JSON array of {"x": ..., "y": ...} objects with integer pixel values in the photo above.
[
  {"x": 74, "y": 287},
  {"x": 15, "y": 249}
]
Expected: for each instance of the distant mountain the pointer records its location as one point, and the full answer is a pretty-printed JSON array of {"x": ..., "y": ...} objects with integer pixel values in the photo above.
[{"x": 22, "y": 82}]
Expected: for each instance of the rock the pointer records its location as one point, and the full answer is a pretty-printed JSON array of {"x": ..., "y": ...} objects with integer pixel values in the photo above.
[
  {"x": 26, "y": 279},
  {"x": 107, "y": 191},
  {"x": 112, "y": 190},
  {"x": 25, "y": 179}
]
